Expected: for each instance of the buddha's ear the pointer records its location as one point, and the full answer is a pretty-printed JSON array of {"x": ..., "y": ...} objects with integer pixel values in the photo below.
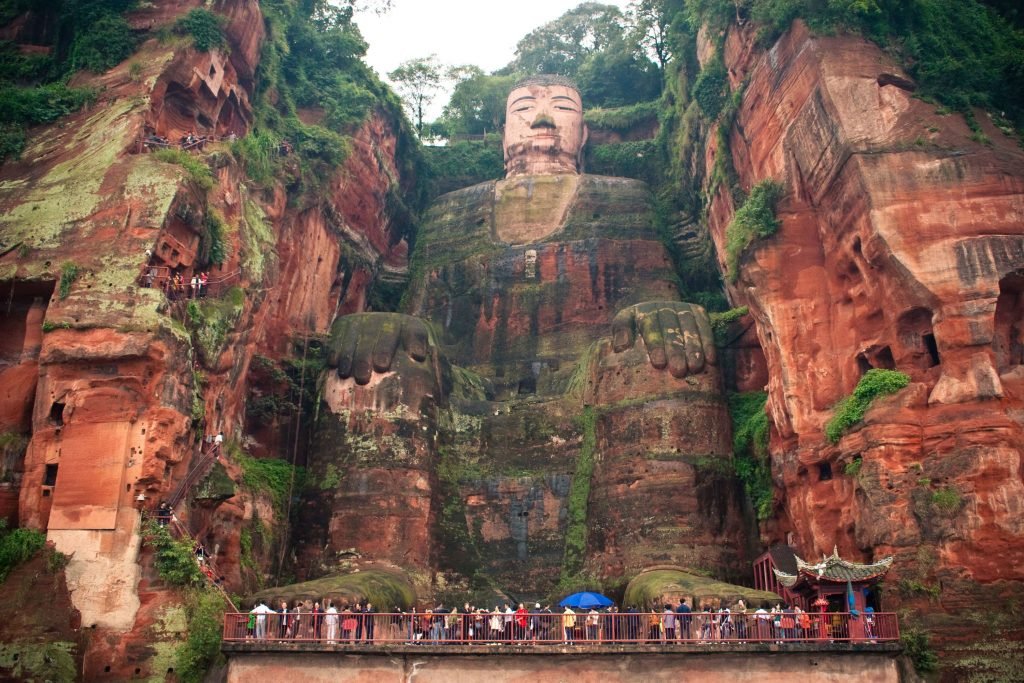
[{"x": 583, "y": 145}]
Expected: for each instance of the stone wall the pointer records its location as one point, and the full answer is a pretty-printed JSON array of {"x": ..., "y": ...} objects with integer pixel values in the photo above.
[{"x": 731, "y": 667}]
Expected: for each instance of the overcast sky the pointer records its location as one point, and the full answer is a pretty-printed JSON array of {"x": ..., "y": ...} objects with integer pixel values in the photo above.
[{"x": 477, "y": 32}]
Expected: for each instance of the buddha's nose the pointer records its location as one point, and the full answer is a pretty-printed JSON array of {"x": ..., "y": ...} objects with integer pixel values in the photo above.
[{"x": 543, "y": 120}]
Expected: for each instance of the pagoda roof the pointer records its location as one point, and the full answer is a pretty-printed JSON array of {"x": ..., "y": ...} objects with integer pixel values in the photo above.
[{"x": 833, "y": 569}]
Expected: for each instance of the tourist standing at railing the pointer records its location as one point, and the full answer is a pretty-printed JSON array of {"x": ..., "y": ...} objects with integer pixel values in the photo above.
[
  {"x": 497, "y": 624},
  {"x": 521, "y": 622},
  {"x": 261, "y": 611},
  {"x": 331, "y": 623},
  {"x": 592, "y": 624},
  {"x": 568, "y": 624},
  {"x": 653, "y": 626},
  {"x": 683, "y": 620},
  {"x": 369, "y": 624},
  {"x": 348, "y": 624},
  {"x": 739, "y": 611},
  {"x": 317, "y": 616},
  {"x": 668, "y": 624}
]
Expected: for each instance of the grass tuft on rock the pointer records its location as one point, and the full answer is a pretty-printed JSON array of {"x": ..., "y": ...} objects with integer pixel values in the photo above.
[
  {"x": 755, "y": 219},
  {"x": 850, "y": 410}
]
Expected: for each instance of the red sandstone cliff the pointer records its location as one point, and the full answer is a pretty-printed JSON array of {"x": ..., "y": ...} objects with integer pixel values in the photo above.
[
  {"x": 111, "y": 391},
  {"x": 901, "y": 247}
]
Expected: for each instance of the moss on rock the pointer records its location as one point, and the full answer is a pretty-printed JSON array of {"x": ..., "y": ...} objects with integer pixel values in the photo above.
[
  {"x": 385, "y": 587},
  {"x": 656, "y": 585}
]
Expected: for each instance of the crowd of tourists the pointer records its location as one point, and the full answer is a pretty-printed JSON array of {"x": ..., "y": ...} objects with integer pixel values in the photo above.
[{"x": 362, "y": 623}]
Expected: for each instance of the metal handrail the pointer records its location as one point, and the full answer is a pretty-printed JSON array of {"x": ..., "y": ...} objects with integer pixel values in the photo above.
[{"x": 540, "y": 628}]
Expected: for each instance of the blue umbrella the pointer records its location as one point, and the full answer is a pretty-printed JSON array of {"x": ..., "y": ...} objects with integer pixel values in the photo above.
[{"x": 586, "y": 600}]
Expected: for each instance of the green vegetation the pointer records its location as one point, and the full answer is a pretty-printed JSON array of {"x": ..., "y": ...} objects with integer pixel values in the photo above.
[
  {"x": 947, "y": 499},
  {"x": 23, "y": 106},
  {"x": 386, "y": 588},
  {"x": 623, "y": 119},
  {"x": 312, "y": 62},
  {"x": 213, "y": 248},
  {"x": 205, "y": 614},
  {"x": 909, "y": 587},
  {"x": 272, "y": 476},
  {"x": 197, "y": 170},
  {"x": 753, "y": 220},
  {"x": 212, "y": 319},
  {"x": 649, "y": 586},
  {"x": 68, "y": 274},
  {"x": 258, "y": 151},
  {"x": 205, "y": 28},
  {"x": 917, "y": 646},
  {"x": 850, "y": 410},
  {"x": 711, "y": 88},
  {"x": 720, "y": 322},
  {"x": 579, "y": 494},
  {"x": 107, "y": 43},
  {"x": 459, "y": 544},
  {"x": 25, "y": 661},
  {"x": 331, "y": 478},
  {"x": 175, "y": 561},
  {"x": 463, "y": 163},
  {"x": 750, "y": 430},
  {"x": 17, "y": 546},
  {"x": 961, "y": 52},
  {"x": 640, "y": 159},
  {"x": 852, "y": 468}
]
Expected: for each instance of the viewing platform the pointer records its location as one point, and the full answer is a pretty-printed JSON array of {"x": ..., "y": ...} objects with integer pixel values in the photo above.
[{"x": 835, "y": 647}]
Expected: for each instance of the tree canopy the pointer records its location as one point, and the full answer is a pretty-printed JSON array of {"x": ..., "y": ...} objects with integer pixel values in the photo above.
[{"x": 417, "y": 81}]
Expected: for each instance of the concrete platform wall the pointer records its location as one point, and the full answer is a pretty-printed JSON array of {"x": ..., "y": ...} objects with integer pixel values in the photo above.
[{"x": 731, "y": 667}]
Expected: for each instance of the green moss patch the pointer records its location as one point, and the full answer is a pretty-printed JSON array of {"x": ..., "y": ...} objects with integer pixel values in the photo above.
[
  {"x": 755, "y": 219},
  {"x": 39, "y": 661},
  {"x": 850, "y": 410},
  {"x": 652, "y": 586},
  {"x": 385, "y": 587}
]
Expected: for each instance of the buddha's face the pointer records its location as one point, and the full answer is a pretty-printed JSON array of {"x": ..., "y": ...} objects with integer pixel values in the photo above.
[{"x": 544, "y": 130}]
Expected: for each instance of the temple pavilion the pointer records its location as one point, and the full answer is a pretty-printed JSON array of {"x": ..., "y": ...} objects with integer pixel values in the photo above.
[{"x": 827, "y": 583}]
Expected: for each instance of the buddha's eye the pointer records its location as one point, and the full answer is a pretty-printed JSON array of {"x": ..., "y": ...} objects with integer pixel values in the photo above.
[
  {"x": 565, "y": 109},
  {"x": 528, "y": 107}
]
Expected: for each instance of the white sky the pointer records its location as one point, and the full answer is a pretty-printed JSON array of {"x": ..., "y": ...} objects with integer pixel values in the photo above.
[{"x": 480, "y": 32}]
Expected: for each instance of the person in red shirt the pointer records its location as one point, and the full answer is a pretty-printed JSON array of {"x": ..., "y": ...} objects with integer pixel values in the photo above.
[{"x": 521, "y": 617}]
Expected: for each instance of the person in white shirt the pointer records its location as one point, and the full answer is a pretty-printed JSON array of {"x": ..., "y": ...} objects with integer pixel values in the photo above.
[{"x": 331, "y": 623}]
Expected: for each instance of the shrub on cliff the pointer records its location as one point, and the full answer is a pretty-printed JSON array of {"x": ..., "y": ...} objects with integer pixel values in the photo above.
[
  {"x": 174, "y": 559},
  {"x": 17, "y": 546},
  {"x": 205, "y": 613},
  {"x": 753, "y": 220},
  {"x": 205, "y": 28},
  {"x": 107, "y": 43},
  {"x": 850, "y": 410},
  {"x": 750, "y": 448}
]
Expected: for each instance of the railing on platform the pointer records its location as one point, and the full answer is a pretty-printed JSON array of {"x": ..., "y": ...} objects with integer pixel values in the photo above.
[{"x": 616, "y": 628}]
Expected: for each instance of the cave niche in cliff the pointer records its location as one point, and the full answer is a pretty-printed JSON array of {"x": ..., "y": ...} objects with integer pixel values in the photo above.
[
  {"x": 918, "y": 347},
  {"x": 178, "y": 113},
  {"x": 876, "y": 356},
  {"x": 22, "y": 310},
  {"x": 1008, "y": 341}
]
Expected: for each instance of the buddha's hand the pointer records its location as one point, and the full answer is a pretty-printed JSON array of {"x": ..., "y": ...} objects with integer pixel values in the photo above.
[
  {"x": 365, "y": 342},
  {"x": 676, "y": 334}
]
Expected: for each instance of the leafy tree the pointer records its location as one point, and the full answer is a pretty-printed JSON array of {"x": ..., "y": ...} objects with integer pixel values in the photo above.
[
  {"x": 477, "y": 104},
  {"x": 652, "y": 20},
  {"x": 618, "y": 76},
  {"x": 417, "y": 81},
  {"x": 561, "y": 46}
]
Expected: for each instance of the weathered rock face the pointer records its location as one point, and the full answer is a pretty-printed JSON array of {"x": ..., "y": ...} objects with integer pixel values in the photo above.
[
  {"x": 105, "y": 394},
  {"x": 663, "y": 491},
  {"x": 901, "y": 247},
  {"x": 518, "y": 280}
]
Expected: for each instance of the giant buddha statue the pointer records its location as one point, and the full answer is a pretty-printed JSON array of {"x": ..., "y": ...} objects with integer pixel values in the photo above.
[{"x": 544, "y": 354}]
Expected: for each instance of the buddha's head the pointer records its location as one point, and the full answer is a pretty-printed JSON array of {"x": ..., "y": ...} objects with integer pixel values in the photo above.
[{"x": 544, "y": 129}]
